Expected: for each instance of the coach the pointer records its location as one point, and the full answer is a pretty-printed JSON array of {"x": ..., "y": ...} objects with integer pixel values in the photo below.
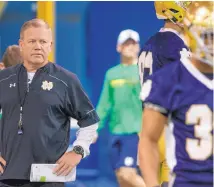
[{"x": 37, "y": 99}]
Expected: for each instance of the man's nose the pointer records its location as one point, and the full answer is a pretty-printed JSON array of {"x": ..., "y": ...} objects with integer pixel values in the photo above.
[{"x": 38, "y": 46}]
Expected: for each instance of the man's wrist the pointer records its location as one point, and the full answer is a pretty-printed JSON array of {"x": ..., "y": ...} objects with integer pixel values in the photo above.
[{"x": 78, "y": 150}]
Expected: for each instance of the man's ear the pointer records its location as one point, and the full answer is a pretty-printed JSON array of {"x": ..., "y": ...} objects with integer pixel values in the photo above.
[
  {"x": 138, "y": 47},
  {"x": 119, "y": 48},
  {"x": 20, "y": 44},
  {"x": 51, "y": 46},
  {"x": 2, "y": 66}
]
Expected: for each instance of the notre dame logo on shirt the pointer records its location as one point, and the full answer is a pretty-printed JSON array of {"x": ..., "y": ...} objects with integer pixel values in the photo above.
[{"x": 47, "y": 85}]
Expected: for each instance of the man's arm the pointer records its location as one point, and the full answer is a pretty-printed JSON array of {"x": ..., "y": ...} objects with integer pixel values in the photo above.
[
  {"x": 104, "y": 105},
  {"x": 79, "y": 107},
  {"x": 85, "y": 136},
  {"x": 153, "y": 125}
]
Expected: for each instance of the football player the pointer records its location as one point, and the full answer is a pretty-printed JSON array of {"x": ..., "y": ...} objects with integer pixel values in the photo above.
[
  {"x": 181, "y": 95},
  {"x": 161, "y": 49}
]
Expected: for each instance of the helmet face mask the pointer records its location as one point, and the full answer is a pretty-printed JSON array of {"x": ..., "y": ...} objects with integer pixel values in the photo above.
[
  {"x": 201, "y": 17},
  {"x": 204, "y": 46}
]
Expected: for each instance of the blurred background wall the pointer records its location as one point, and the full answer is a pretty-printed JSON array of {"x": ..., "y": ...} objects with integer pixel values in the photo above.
[{"x": 85, "y": 43}]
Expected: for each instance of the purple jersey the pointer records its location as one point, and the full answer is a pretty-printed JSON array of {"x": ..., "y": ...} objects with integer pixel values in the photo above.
[
  {"x": 161, "y": 49},
  {"x": 185, "y": 95}
]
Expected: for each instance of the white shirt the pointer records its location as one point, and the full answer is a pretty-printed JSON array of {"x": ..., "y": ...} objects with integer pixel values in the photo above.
[
  {"x": 30, "y": 76},
  {"x": 85, "y": 137}
]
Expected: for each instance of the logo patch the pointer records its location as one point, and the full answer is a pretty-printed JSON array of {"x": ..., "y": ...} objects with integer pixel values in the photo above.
[
  {"x": 47, "y": 85},
  {"x": 129, "y": 161},
  {"x": 13, "y": 85}
]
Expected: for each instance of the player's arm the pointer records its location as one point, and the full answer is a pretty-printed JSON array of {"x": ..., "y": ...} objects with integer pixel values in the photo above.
[
  {"x": 104, "y": 104},
  {"x": 153, "y": 125},
  {"x": 156, "y": 93}
]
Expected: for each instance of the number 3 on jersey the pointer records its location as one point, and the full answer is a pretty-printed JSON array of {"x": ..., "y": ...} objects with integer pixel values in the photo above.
[
  {"x": 200, "y": 148},
  {"x": 145, "y": 65}
]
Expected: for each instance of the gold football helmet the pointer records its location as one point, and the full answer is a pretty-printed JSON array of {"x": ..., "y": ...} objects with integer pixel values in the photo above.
[
  {"x": 199, "y": 25},
  {"x": 172, "y": 10}
]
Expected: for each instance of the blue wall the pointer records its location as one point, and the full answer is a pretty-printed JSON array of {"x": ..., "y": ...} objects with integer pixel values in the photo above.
[
  {"x": 70, "y": 38},
  {"x": 105, "y": 20},
  {"x": 14, "y": 15}
]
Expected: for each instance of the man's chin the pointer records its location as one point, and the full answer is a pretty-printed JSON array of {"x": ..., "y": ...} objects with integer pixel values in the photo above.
[
  {"x": 37, "y": 62},
  {"x": 129, "y": 56}
]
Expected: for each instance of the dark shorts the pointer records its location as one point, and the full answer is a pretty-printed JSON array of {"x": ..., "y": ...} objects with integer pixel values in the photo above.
[
  {"x": 23, "y": 183},
  {"x": 123, "y": 150}
]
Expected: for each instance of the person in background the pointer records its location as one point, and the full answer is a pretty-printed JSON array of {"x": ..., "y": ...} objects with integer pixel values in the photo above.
[
  {"x": 120, "y": 102},
  {"x": 11, "y": 57}
]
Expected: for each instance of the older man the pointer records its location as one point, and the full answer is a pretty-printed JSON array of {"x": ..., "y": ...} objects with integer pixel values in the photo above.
[{"x": 37, "y": 99}]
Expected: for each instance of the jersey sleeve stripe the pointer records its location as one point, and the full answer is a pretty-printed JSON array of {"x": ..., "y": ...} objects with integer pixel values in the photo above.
[{"x": 155, "y": 107}]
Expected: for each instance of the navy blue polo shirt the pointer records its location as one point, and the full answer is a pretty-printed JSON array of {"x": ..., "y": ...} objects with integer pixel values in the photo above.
[{"x": 54, "y": 96}]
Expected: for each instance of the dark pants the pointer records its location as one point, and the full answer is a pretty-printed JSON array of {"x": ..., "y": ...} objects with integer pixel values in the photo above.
[{"x": 23, "y": 183}]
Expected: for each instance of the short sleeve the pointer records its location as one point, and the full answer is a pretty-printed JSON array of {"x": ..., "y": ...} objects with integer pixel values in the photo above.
[
  {"x": 157, "y": 93},
  {"x": 78, "y": 105}
]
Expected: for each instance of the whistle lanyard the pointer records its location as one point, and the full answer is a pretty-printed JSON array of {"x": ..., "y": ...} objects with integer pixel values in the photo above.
[{"x": 22, "y": 102}]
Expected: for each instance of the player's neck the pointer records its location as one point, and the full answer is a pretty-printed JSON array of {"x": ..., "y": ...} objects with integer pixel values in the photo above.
[
  {"x": 173, "y": 26},
  {"x": 202, "y": 67},
  {"x": 128, "y": 61},
  {"x": 30, "y": 67}
]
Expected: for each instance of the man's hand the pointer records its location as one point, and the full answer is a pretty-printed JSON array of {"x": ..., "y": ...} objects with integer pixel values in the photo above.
[
  {"x": 66, "y": 163},
  {"x": 2, "y": 162}
]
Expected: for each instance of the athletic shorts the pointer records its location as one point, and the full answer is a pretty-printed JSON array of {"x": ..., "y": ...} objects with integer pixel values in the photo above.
[{"x": 123, "y": 150}]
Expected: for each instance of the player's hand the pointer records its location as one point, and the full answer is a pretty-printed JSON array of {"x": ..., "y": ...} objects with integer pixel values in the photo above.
[
  {"x": 2, "y": 163},
  {"x": 66, "y": 163}
]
